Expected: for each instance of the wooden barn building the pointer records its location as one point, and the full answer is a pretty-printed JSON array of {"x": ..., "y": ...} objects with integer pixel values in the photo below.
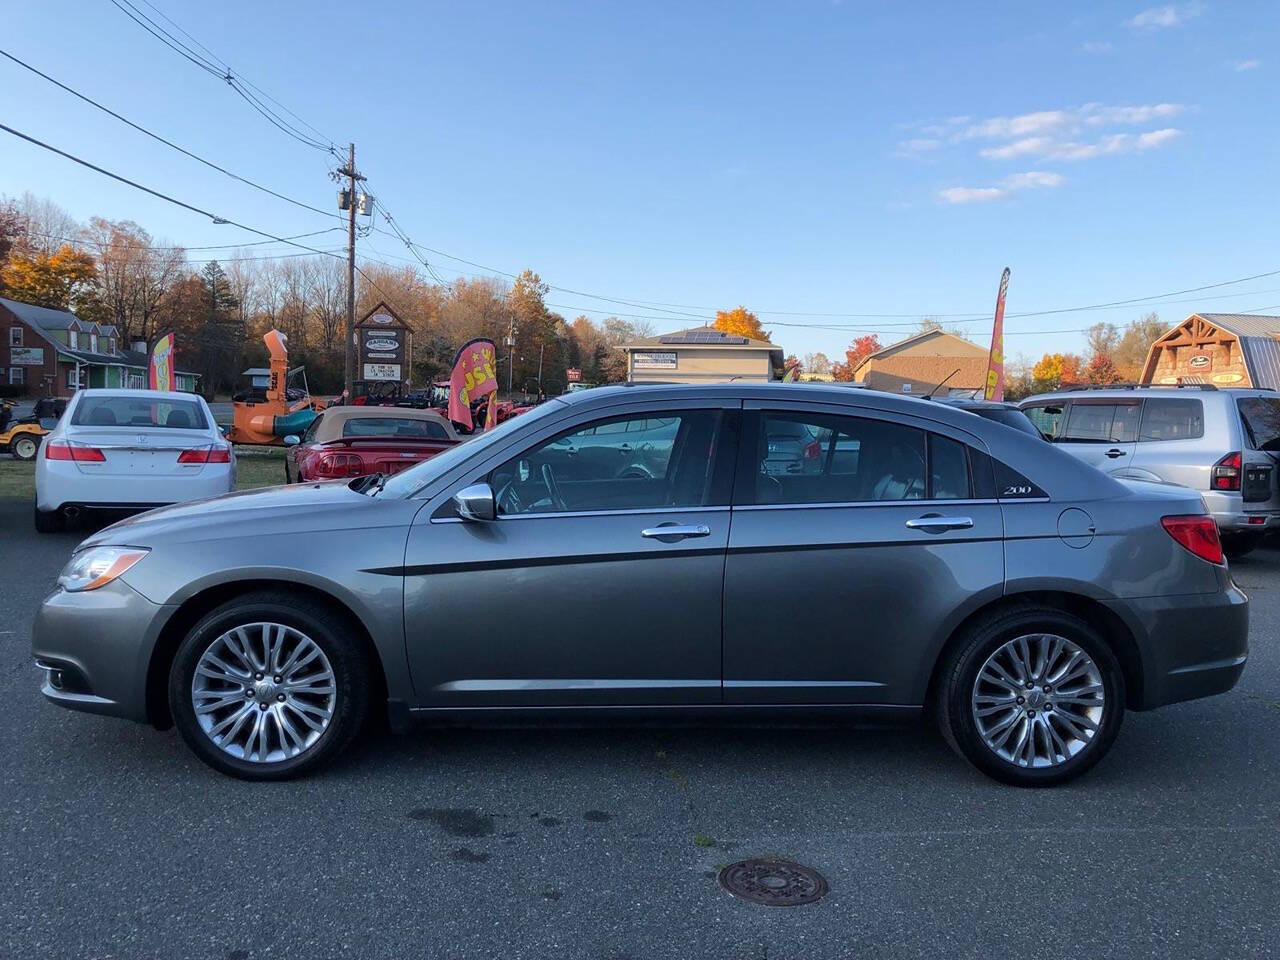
[{"x": 1223, "y": 349}]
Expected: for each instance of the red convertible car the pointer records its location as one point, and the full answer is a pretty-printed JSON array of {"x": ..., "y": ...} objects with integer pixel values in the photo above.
[{"x": 355, "y": 441}]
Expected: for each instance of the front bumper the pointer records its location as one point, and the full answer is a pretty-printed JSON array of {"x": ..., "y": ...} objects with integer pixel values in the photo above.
[
  {"x": 95, "y": 648},
  {"x": 1191, "y": 646}
]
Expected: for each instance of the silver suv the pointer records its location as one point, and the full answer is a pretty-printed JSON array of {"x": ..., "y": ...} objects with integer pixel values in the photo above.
[{"x": 1224, "y": 443}]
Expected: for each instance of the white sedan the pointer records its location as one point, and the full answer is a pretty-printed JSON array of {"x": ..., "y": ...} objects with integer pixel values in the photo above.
[{"x": 130, "y": 450}]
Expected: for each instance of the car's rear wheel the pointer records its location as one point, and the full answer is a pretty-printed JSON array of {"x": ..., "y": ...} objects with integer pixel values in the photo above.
[
  {"x": 269, "y": 686},
  {"x": 24, "y": 446},
  {"x": 1032, "y": 697},
  {"x": 49, "y": 521}
]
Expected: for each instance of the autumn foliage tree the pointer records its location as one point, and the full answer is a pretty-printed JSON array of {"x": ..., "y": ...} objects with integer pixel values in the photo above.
[
  {"x": 740, "y": 321},
  {"x": 64, "y": 279},
  {"x": 857, "y": 351},
  {"x": 1055, "y": 369}
]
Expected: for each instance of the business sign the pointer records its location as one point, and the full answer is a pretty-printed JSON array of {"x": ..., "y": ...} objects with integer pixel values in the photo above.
[
  {"x": 26, "y": 356},
  {"x": 1227, "y": 377},
  {"x": 573, "y": 375},
  {"x": 382, "y": 371},
  {"x": 381, "y": 339},
  {"x": 661, "y": 360},
  {"x": 1200, "y": 361}
]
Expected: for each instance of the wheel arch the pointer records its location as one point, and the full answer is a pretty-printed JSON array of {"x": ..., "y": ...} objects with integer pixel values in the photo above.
[
  {"x": 196, "y": 606},
  {"x": 1108, "y": 624}
]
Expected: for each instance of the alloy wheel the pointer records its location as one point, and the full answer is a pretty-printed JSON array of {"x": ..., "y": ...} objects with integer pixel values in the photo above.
[
  {"x": 1038, "y": 700},
  {"x": 264, "y": 692}
]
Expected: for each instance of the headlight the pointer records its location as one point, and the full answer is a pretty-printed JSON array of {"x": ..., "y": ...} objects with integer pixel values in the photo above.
[{"x": 98, "y": 566}]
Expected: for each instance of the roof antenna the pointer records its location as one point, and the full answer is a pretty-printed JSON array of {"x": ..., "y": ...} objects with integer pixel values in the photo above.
[{"x": 929, "y": 395}]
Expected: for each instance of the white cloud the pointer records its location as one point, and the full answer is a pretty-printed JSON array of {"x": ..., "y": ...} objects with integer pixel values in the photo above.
[
  {"x": 1157, "y": 18},
  {"x": 1037, "y": 146},
  {"x": 1042, "y": 122},
  {"x": 1243, "y": 65},
  {"x": 919, "y": 145},
  {"x": 1097, "y": 46},
  {"x": 1052, "y": 149},
  {"x": 1010, "y": 184}
]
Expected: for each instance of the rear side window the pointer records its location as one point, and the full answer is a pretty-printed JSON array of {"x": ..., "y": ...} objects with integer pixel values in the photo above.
[
  {"x": 406, "y": 427},
  {"x": 1261, "y": 419},
  {"x": 1169, "y": 418},
  {"x": 1102, "y": 423},
  {"x": 139, "y": 412}
]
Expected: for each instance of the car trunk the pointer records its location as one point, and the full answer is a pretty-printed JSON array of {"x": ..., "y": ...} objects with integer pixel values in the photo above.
[
  {"x": 390, "y": 455},
  {"x": 140, "y": 453},
  {"x": 1260, "y": 483}
]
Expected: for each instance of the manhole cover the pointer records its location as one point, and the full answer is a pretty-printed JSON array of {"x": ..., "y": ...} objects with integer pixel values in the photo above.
[{"x": 774, "y": 883}]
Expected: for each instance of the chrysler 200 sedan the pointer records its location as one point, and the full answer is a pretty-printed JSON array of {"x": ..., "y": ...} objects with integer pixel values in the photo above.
[{"x": 914, "y": 558}]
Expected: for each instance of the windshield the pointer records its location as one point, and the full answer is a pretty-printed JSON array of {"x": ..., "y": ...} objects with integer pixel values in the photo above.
[{"x": 408, "y": 482}]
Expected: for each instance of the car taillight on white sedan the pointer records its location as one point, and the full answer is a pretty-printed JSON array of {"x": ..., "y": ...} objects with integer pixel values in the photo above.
[
  {"x": 70, "y": 450},
  {"x": 211, "y": 454},
  {"x": 1197, "y": 533}
]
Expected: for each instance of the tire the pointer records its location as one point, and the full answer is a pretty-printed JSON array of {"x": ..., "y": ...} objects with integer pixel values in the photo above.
[
  {"x": 272, "y": 755},
  {"x": 49, "y": 521},
  {"x": 1043, "y": 763},
  {"x": 1236, "y": 545},
  {"x": 24, "y": 446}
]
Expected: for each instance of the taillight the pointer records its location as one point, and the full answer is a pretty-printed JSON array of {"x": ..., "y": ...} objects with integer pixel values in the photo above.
[
  {"x": 79, "y": 452},
  {"x": 339, "y": 465},
  {"x": 1225, "y": 474},
  {"x": 1198, "y": 533},
  {"x": 211, "y": 454}
]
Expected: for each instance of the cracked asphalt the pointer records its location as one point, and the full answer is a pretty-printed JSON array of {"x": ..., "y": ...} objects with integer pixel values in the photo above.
[{"x": 604, "y": 843}]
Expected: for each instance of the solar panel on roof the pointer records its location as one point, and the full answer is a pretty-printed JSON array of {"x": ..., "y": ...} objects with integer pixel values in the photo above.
[{"x": 703, "y": 336}]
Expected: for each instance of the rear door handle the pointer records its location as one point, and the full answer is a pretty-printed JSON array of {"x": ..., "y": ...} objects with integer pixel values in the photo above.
[
  {"x": 672, "y": 532},
  {"x": 938, "y": 524},
  {"x": 1113, "y": 453}
]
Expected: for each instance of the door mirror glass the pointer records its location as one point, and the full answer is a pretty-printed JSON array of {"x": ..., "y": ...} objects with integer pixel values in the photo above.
[
  {"x": 475, "y": 503},
  {"x": 291, "y": 440}
]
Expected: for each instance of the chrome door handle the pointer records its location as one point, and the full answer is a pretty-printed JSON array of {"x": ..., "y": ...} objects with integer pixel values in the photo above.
[
  {"x": 933, "y": 523},
  {"x": 1113, "y": 453},
  {"x": 671, "y": 532}
]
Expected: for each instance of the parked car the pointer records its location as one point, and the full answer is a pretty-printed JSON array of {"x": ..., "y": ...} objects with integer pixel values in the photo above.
[
  {"x": 1223, "y": 443},
  {"x": 130, "y": 450},
  {"x": 355, "y": 441},
  {"x": 955, "y": 565},
  {"x": 1007, "y": 413}
]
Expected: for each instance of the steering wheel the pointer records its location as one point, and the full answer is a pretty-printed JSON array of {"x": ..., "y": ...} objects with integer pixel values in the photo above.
[
  {"x": 508, "y": 499},
  {"x": 553, "y": 488}
]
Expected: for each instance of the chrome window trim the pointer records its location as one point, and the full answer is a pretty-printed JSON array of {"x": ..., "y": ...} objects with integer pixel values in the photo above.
[
  {"x": 864, "y": 503},
  {"x": 627, "y": 512}
]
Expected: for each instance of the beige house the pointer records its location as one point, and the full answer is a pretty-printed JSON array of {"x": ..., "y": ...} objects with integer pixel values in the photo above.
[
  {"x": 702, "y": 355},
  {"x": 918, "y": 364}
]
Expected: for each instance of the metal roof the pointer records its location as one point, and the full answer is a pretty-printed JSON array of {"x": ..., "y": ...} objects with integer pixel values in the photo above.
[
  {"x": 1262, "y": 359},
  {"x": 1244, "y": 324}
]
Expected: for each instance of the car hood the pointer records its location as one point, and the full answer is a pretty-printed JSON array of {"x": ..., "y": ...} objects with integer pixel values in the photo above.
[{"x": 312, "y": 506}]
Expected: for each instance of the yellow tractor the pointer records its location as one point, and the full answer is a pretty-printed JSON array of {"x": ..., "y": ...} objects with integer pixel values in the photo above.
[{"x": 20, "y": 437}]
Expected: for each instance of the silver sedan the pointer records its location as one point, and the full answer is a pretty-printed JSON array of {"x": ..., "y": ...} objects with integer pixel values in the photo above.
[{"x": 654, "y": 552}]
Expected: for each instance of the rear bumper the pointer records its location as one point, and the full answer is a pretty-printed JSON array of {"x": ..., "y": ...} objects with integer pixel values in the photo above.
[
  {"x": 1233, "y": 515},
  {"x": 1191, "y": 646},
  {"x": 56, "y": 488}
]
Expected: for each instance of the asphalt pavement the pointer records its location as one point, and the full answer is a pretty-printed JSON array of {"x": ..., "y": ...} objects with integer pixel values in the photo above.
[{"x": 604, "y": 843}]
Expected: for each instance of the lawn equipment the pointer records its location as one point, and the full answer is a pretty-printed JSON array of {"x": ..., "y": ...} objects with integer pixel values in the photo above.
[{"x": 21, "y": 437}]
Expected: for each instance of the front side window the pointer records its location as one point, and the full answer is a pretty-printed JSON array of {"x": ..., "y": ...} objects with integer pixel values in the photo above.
[
  {"x": 618, "y": 464},
  {"x": 1172, "y": 419},
  {"x": 1102, "y": 422},
  {"x": 802, "y": 458},
  {"x": 1047, "y": 419},
  {"x": 391, "y": 427}
]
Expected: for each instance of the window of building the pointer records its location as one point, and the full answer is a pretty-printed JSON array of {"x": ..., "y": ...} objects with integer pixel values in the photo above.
[
  {"x": 73, "y": 382},
  {"x": 17, "y": 375},
  {"x": 15, "y": 336},
  {"x": 73, "y": 339},
  {"x": 93, "y": 342}
]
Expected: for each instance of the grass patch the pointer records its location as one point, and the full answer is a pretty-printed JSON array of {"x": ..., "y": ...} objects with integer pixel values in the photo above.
[
  {"x": 255, "y": 467},
  {"x": 702, "y": 840}
]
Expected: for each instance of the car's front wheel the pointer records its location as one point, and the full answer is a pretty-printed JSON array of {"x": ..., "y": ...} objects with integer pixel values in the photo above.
[
  {"x": 1031, "y": 696},
  {"x": 269, "y": 686}
]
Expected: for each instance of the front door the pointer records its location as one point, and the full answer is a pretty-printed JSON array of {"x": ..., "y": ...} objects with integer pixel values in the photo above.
[
  {"x": 599, "y": 583},
  {"x": 855, "y": 539}
]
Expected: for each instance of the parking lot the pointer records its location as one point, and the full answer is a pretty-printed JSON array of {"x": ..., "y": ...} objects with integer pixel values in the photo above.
[{"x": 117, "y": 842}]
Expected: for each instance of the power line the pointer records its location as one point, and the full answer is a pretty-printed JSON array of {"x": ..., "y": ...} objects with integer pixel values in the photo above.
[
  {"x": 168, "y": 143},
  {"x": 215, "y": 246}
]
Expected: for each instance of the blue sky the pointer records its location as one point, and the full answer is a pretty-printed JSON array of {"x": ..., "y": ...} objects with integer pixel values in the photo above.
[{"x": 807, "y": 157}]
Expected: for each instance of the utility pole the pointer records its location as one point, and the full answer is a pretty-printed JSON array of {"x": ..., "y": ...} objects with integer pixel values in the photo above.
[
  {"x": 352, "y": 175},
  {"x": 511, "y": 352}
]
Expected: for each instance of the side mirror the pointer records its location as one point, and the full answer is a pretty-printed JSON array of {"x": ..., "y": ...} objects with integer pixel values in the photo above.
[
  {"x": 292, "y": 440},
  {"x": 475, "y": 503}
]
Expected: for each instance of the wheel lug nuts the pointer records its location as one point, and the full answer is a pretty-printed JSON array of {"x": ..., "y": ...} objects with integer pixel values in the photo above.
[
  {"x": 262, "y": 706},
  {"x": 277, "y": 680},
  {"x": 1048, "y": 689},
  {"x": 257, "y": 676},
  {"x": 1022, "y": 699},
  {"x": 280, "y": 697},
  {"x": 1031, "y": 713},
  {"x": 1030, "y": 684}
]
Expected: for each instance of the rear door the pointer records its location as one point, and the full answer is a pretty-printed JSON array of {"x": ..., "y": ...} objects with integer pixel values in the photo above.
[
  {"x": 1102, "y": 431},
  {"x": 842, "y": 574},
  {"x": 1260, "y": 424}
]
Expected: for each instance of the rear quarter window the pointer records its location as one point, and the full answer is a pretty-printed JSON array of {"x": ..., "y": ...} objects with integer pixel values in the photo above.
[{"x": 1170, "y": 418}]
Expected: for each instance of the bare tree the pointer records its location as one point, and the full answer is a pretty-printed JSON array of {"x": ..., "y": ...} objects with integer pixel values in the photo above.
[
  {"x": 134, "y": 275},
  {"x": 47, "y": 226}
]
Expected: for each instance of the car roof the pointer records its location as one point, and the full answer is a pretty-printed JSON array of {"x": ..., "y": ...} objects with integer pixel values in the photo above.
[
  {"x": 1200, "y": 391},
  {"x": 403, "y": 413},
  {"x": 139, "y": 394}
]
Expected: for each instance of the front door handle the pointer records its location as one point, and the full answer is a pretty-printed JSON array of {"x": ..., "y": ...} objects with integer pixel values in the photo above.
[
  {"x": 935, "y": 523},
  {"x": 673, "y": 532},
  {"x": 1113, "y": 453}
]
